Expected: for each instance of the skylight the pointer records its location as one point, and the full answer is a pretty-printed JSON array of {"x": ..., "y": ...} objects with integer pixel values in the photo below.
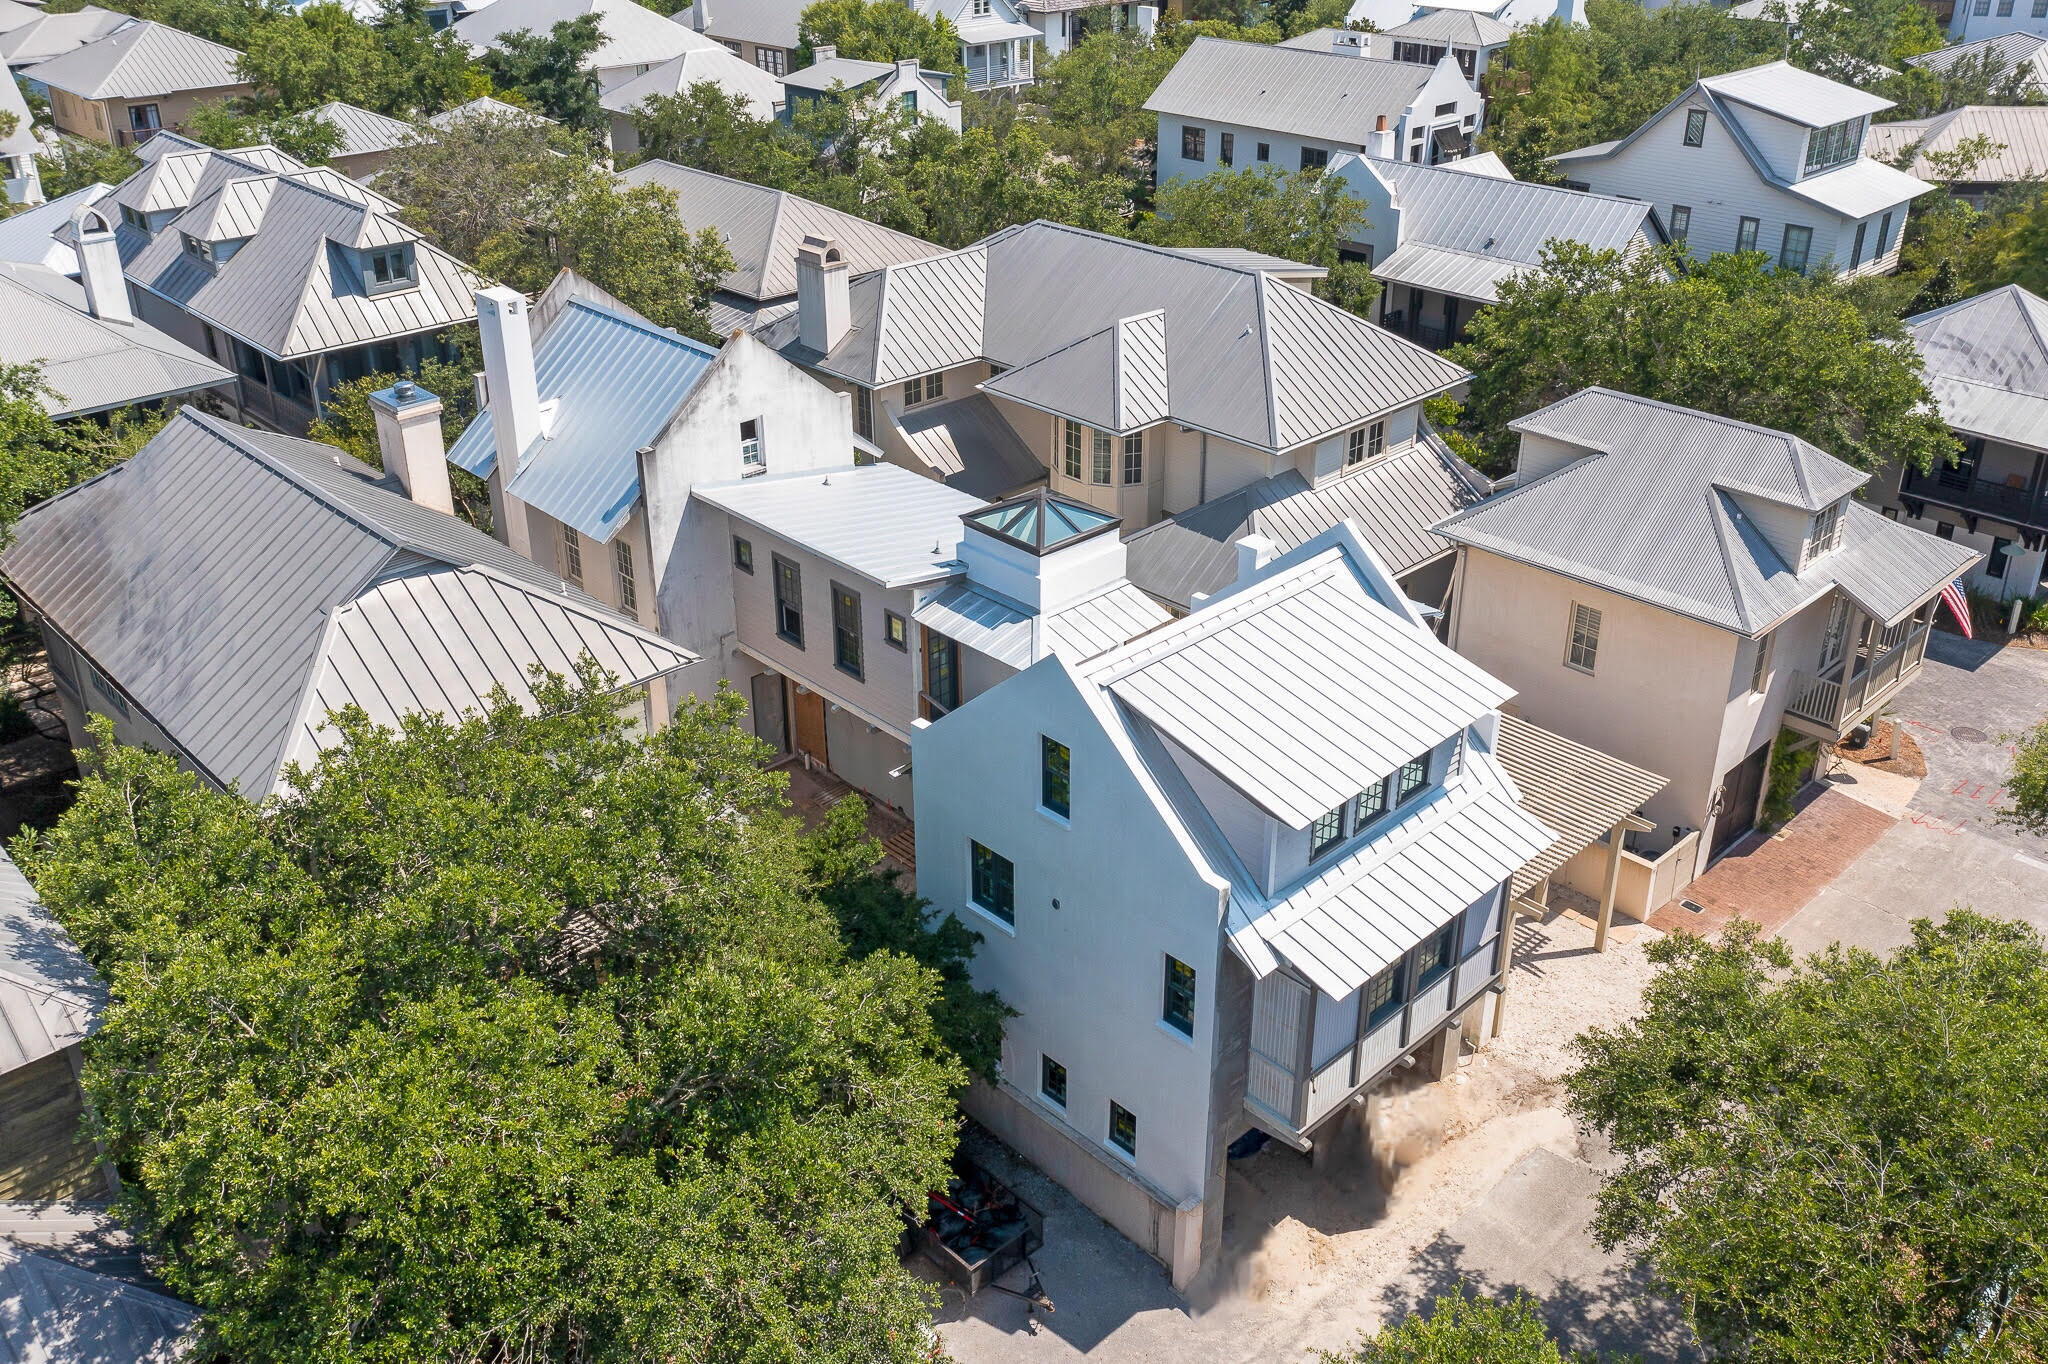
[{"x": 1040, "y": 522}]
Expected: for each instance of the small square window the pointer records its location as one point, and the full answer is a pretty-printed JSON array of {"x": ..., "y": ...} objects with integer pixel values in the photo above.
[
  {"x": 994, "y": 883},
  {"x": 1055, "y": 779},
  {"x": 1052, "y": 1080},
  {"x": 895, "y": 631},
  {"x": 1414, "y": 776},
  {"x": 1123, "y": 1128},
  {"x": 1695, "y": 127},
  {"x": 1179, "y": 1010},
  {"x": 742, "y": 554},
  {"x": 1265, "y": 152},
  {"x": 1944, "y": 530}
]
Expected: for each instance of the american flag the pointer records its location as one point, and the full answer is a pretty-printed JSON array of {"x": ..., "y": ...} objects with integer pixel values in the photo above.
[{"x": 1959, "y": 606}]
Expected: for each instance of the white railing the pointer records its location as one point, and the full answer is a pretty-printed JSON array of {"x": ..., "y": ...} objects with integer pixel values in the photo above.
[{"x": 1835, "y": 701}]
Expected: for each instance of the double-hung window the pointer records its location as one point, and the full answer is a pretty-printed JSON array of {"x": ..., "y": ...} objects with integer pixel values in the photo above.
[
  {"x": 1326, "y": 833},
  {"x": 1123, "y": 1129},
  {"x": 622, "y": 566},
  {"x": 1583, "y": 649},
  {"x": 1375, "y": 439},
  {"x": 1134, "y": 458},
  {"x": 1745, "y": 234},
  {"x": 1055, "y": 779},
  {"x": 752, "y": 460},
  {"x": 1070, "y": 448},
  {"x": 1695, "y": 127},
  {"x": 992, "y": 882},
  {"x": 789, "y": 601},
  {"x": 846, "y": 630},
  {"x": 1369, "y": 804},
  {"x": 1100, "y": 461},
  {"x": 1178, "y": 1012},
  {"x": 572, "y": 554},
  {"x": 1798, "y": 248},
  {"x": 1681, "y": 222},
  {"x": 1226, "y": 148},
  {"x": 1052, "y": 1080},
  {"x": 1194, "y": 143}
]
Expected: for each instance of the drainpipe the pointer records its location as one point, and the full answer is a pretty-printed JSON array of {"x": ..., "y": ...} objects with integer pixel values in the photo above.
[{"x": 1202, "y": 479}]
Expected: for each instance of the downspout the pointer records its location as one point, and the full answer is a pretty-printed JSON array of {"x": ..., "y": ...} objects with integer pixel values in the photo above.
[
  {"x": 1202, "y": 478},
  {"x": 1458, "y": 598}
]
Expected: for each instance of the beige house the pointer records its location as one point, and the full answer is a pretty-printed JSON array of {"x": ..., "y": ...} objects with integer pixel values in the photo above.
[
  {"x": 1675, "y": 588},
  {"x": 137, "y": 81}
]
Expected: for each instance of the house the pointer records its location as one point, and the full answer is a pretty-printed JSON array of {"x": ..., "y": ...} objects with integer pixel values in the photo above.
[
  {"x": 53, "y": 1311},
  {"x": 1062, "y": 24},
  {"x": 136, "y": 81},
  {"x": 484, "y": 108},
  {"x": 88, "y": 346},
  {"x": 51, "y": 1000},
  {"x": 2018, "y": 134},
  {"x": 296, "y": 278},
  {"x": 2008, "y": 52},
  {"x": 1230, "y": 873},
  {"x": 1135, "y": 379},
  {"x": 42, "y": 36},
  {"x": 28, "y": 235},
  {"x": 1986, "y": 360},
  {"x": 997, "y": 45},
  {"x": 1385, "y": 15},
  {"x": 367, "y": 138},
  {"x": 1471, "y": 37},
  {"x": 760, "y": 93},
  {"x": 219, "y": 594},
  {"x": 1767, "y": 159},
  {"x": 1231, "y": 104},
  {"x": 763, "y": 32},
  {"x": 764, "y": 229},
  {"x": 1974, "y": 20},
  {"x": 1442, "y": 240},
  {"x": 1675, "y": 588},
  {"x": 832, "y": 76},
  {"x": 636, "y": 39},
  {"x": 20, "y": 184}
]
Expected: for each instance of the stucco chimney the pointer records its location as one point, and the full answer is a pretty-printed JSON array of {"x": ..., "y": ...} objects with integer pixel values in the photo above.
[
  {"x": 824, "y": 52},
  {"x": 504, "y": 328},
  {"x": 1347, "y": 43},
  {"x": 823, "y": 309},
  {"x": 1254, "y": 552},
  {"x": 409, "y": 440},
  {"x": 1380, "y": 141},
  {"x": 99, "y": 267},
  {"x": 699, "y": 15}
]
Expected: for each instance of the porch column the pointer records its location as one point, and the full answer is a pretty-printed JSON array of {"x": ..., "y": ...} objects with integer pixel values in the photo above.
[{"x": 1613, "y": 886}]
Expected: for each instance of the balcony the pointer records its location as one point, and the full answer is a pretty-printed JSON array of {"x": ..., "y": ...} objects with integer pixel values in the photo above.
[
  {"x": 2016, "y": 500},
  {"x": 1827, "y": 704}
]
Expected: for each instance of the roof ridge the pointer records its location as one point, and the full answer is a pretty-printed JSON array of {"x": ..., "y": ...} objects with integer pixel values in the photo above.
[
  {"x": 1724, "y": 525},
  {"x": 1200, "y": 625},
  {"x": 575, "y": 301},
  {"x": 1261, "y": 283},
  {"x": 1171, "y": 252},
  {"x": 225, "y": 434}
]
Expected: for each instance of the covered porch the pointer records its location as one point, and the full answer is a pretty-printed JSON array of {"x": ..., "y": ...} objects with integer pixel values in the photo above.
[
  {"x": 1863, "y": 665},
  {"x": 997, "y": 53}
]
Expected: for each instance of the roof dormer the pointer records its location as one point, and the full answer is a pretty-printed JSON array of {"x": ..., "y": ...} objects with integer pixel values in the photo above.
[{"x": 388, "y": 269}]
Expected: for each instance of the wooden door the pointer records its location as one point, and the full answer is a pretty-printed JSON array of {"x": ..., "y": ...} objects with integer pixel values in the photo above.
[
  {"x": 809, "y": 711},
  {"x": 1741, "y": 789},
  {"x": 771, "y": 720}
]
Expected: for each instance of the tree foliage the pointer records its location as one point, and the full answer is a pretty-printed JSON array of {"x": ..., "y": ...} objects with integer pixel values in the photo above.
[
  {"x": 547, "y": 70},
  {"x": 508, "y": 1038},
  {"x": 1297, "y": 215},
  {"x": 1464, "y": 1330},
  {"x": 1841, "y": 1161},
  {"x": 397, "y": 65},
  {"x": 237, "y": 123},
  {"x": 2026, "y": 788},
  {"x": 1849, "y": 383},
  {"x": 878, "y": 31},
  {"x": 75, "y": 163},
  {"x": 1982, "y": 78},
  {"x": 348, "y": 422}
]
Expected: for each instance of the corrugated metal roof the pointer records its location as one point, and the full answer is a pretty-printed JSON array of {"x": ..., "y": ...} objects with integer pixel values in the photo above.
[
  {"x": 20, "y": 139},
  {"x": 28, "y": 236},
  {"x": 1002, "y": 629},
  {"x": 711, "y": 64},
  {"x": 1580, "y": 792},
  {"x": 2020, "y": 133},
  {"x": 885, "y": 523},
  {"x": 1654, "y": 514},
  {"x": 2007, "y": 51},
  {"x": 205, "y": 575},
  {"x": 1783, "y": 89},
  {"x": 50, "y": 997},
  {"x": 1458, "y": 27},
  {"x": 55, "y": 1313},
  {"x": 1300, "y": 689},
  {"x": 141, "y": 59},
  {"x": 633, "y": 34},
  {"x": 968, "y": 446},
  {"x": 91, "y": 365},
  {"x": 363, "y": 131},
  {"x": 1324, "y": 96},
  {"x": 617, "y": 382},
  {"x": 1986, "y": 359},
  {"x": 49, "y": 36},
  {"x": 1393, "y": 503},
  {"x": 763, "y": 227}
]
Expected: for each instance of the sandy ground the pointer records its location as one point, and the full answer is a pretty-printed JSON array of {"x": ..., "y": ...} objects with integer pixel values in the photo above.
[{"x": 1313, "y": 1257}]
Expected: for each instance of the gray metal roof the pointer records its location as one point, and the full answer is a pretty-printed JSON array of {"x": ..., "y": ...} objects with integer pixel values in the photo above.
[
  {"x": 1655, "y": 513},
  {"x": 763, "y": 227},
  {"x": 49, "y": 36},
  {"x": 633, "y": 34},
  {"x": 485, "y": 108},
  {"x": 1455, "y": 27},
  {"x": 1243, "y": 258},
  {"x": 1986, "y": 359},
  {"x": 1249, "y": 358},
  {"x": 227, "y": 579},
  {"x": 141, "y": 59},
  {"x": 711, "y": 63},
  {"x": 1113, "y": 380},
  {"x": 2020, "y": 133},
  {"x": 846, "y": 71},
  {"x": 2007, "y": 51},
  {"x": 28, "y": 235},
  {"x": 1580, "y": 792},
  {"x": 968, "y": 446},
  {"x": 1002, "y": 629},
  {"x": 889, "y": 525},
  {"x": 617, "y": 381},
  {"x": 50, "y": 997},
  {"x": 91, "y": 365},
  {"x": 773, "y": 22},
  {"x": 21, "y": 139},
  {"x": 1394, "y": 503},
  {"x": 1783, "y": 89},
  {"x": 13, "y": 14},
  {"x": 363, "y": 131},
  {"x": 55, "y": 1313},
  {"x": 1323, "y": 96}
]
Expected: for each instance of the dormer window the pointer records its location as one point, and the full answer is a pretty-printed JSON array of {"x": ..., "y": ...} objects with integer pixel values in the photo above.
[
  {"x": 196, "y": 248},
  {"x": 1834, "y": 145},
  {"x": 388, "y": 268},
  {"x": 136, "y": 219},
  {"x": 1335, "y": 827},
  {"x": 1824, "y": 535}
]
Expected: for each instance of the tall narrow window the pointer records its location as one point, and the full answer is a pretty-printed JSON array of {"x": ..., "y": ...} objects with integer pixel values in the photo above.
[
  {"x": 1052, "y": 1080},
  {"x": 1798, "y": 247},
  {"x": 913, "y": 391},
  {"x": 1099, "y": 471},
  {"x": 934, "y": 387},
  {"x": 1265, "y": 151},
  {"x": 1433, "y": 958},
  {"x": 1134, "y": 458},
  {"x": 1884, "y": 233},
  {"x": 1226, "y": 149},
  {"x": 1123, "y": 1128},
  {"x": 1999, "y": 559},
  {"x": 941, "y": 672},
  {"x": 1760, "y": 666},
  {"x": 1369, "y": 804},
  {"x": 993, "y": 882},
  {"x": 846, "y": 630},
  {"x": 1055, "y": 790},
  {"x": 752, "y": 461},
  {"x": 1584, "y": 647},
  {"x": 1326, "y": 833},
  {"x": 1413, "y": 777},
  {"x": 1856, "y": 248},
  {"x": 864, "y": 412},
  {"x": 1681, "y": 222},
  {"x": 1178, "y": 1012},
  {"x": 1745, "y": 234},
  {"x": 1070, "y": 448},
  {"x": 789, "y": 601},
  {"x": 1375, "y": 439},
  {"x": 572, "y": 554},
  {"x": 1354, "y": 447},
  {"x": 622, "y": 564},
  {"x": 742, "y": 554},
  {"x": 1695, "y": 127},
  {"x": 1838, "y": 627}
]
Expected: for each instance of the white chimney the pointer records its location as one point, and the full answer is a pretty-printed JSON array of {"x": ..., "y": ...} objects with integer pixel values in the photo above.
[
  {"x": 1346, "y": 43},
  {"x": 1380, "y": 141},
  {"x": 502, "y": 325},
  {"x": 409, "y": 440},
  {"x": 1254, "y": 552},
  {"x": 823, "y": 309},
  {"x": 99, "y": 267},
  {"x": 823, "y": 52}
]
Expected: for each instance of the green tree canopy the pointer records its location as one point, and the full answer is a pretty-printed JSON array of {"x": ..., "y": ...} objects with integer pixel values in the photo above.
[
  {"x": 2027, "y": 788},
  {"x": 1642, "y": 325},
  {"x": 75, "y": 164},
  {"x": 507, "y": 1038},
  {"x": 547, "y": 70},
  {"x": 878, "y": 31},
  {"x": 234, "y": 123},
  {"x": 1464, "y": 1330},
  {"x": 397, "y": 66},
  {"x": 1296, "y": 215},
  {"x": 1841, "y": 1161}
]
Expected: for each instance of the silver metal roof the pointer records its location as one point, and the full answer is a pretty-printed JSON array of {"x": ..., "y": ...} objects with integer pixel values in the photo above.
[
  {"x": 227, "y": 579},
  {"x": 847, "y": 71},
  {"x": 20, "y": 140},
  {"x": 1243, "y": 258},
  {"x": 2007, "y": 50},
  {"x": 2020, "y": 133},
  {"x": 1319, "y": 95},
  {"x": 1004, "y": 630},
  {"x": 1783, "y": 89},
  {"x": 713, "y": 63},
  {"x": 141, "y": 59},
  {"x": 633, "y": 34},
  {"x": 1986, "y": 359},
  {"x": 889, "y": 525},
  {"x": 763, "y": 227},
  {"x": 28, "y": 235},
  {"x": 1455, "y": 27},
  {"x": 1655, "y": 513},
  {"x": 967, "y": 445},
  {"x": 50, "y": 997},
  {"x": 55, "y": 1313},
  {"x": 363, "y": 131},
  {"x": 1394, "y": 503},
  {"x": 91, "y": 365},
  {"x": 485, "y": 108},
  {"x": 773, "y": 22},
  {"x": 1580, "y": 792},
  {"x": 1113, "y": 380},
  {"x": 617, "y": 382},
  {"x": 49, "y": 36}
]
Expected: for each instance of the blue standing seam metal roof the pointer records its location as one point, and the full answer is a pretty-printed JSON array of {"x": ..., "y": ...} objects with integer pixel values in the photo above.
[{"x": 617, "y": 382}]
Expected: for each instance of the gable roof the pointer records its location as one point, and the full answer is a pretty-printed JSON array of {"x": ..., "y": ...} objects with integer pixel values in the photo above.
[
  {"x": 50, "y": 997},
  {"x": 763, "y": 227},
  {"x": 28, "y": 235},
  {"x": 51, "y": 1311},
  {"x": 1248, "y": 357},
  {"x": 2006, "y": 52},
  {"x": 1986, "y": 360},
  {"x": 889, "y": 525},
  {"x": 616, "y": 382},
  {"x": 92, "y": 365},
  {"x": 141, "y": 59},
  {"x": 633, "y": 34},
  {"x": 235, "y": 584},
  {"x": 484, "y": 107},
  {"x": 712, "y": 62},
  {"x": 2020, "y": 132},
  {"x": 363, "y": 131},
  {"x": 1656, "y": 514},
  {"x": 1456, "y": 27},
  {"x": 1782, "y": 89},
  {"x": 48, "y": 36},
  {"x": 1323, "y": 96}
]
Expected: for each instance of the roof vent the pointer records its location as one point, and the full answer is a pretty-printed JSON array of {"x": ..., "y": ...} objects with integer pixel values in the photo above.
[{"x": 403, "y": 390}]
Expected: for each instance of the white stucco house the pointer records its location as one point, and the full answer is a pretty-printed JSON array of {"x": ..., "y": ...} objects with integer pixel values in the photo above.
[
  {"x": 1975, "y": 19},
  {"x": 1768, "y": 159},
  {"x": 1061, "y": 24},
  {"x": 997, "y": 46},
  {"x": 1229, "y": 873},
  {"x": 831, "y": 76}
]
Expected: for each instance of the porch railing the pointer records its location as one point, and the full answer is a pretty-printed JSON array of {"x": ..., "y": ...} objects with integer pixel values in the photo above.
[{"x": 1846, "y": 692}]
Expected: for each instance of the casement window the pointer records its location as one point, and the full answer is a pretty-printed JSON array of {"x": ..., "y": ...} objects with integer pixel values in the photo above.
[
  {"x": 1178, "y": 1011},
  {"x": 789, "y": 600},
  {"x": 992, "y": 882},
  {"x": 1826, "y": 536},
  {"x": 1070, "y": 448},
  {"x": 1840, "y": 143},
  {"x": 1375, "y": 439},
  {"x": 1265, "y": 151},
  {"x": 1856, "y": 248},
  {"x": 846, "y": 630},
  {"x": 1433, "y": 958},
  {"x": 1584, "y": 646},
  {"x": 1695, "y": 127},
  {"x": 772, "y": 60},
  {"x": 1314, "y": 158},
  {"x": 1354, "y": 447},
  {"x": 1413, "y": 777},
  {"x": 1055, "y": 780},
  {"x": 1326, "y": 833},
  {"x": 1134, "y": 458},
  {"x": 895, "y": 631},
  {"x": 1797, "y": 248},
  {"x": 927, "y": 388},
  {"x": 1226, "y": 148},
  {"x": 1383, "y": 997},
  {"x": 1760, "y": 666},
  {"x": 1681, "y": 222},
  {"x": 1123, "y": 1129},
  {"x": 742, "y": 554},
  {"x": 941, "y": 671},
  {"x": 622, "y": 567},
  {"x": 1884, "y": 234},
  {"x": 572, "y": 555},
  {"x": 1100, "y": 461},
  {"x": 388, "y": 269},
  {"x": 1194, "y": 143},
  {"x": 1052, "y": 1080},
  {"x": 864, "y": 412},
  {"x": 1369, "y": 804},
  {"x": 1745, "y": 234},
  {"x": 752, "y": 458}
]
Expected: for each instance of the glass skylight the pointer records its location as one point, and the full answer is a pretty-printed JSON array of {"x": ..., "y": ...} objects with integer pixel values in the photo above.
[{"x": 1040, "y": 521}]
